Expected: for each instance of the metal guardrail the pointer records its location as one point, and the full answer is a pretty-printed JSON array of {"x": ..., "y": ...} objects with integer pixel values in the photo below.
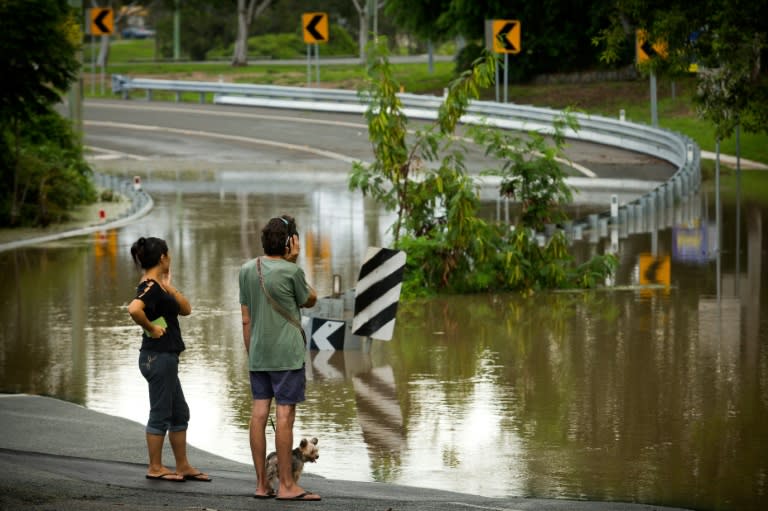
[
  {"x": 675, "y": 148},
  {"x": 141, "y": 204},
  {"x": 141, "y": 201}
]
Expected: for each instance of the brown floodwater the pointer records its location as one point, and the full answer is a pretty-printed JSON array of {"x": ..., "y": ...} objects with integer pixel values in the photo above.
[{"x": 642, "y": 394}]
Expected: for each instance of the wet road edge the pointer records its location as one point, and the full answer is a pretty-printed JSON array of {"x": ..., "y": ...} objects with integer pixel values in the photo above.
[{"x": 60, "y": 455}]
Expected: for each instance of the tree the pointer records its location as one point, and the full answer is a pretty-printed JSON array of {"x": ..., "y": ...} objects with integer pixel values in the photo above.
[
  {"x": 423, "y": 178},
  {"x": 37, "y": 66},
  {"x": 726, "y": 40},
  {"x": 246, "y": 12},
  {"x": 422, "y": 18},
  {"x": 556, "y": 34},
  {"x": 364, "y": 9}
]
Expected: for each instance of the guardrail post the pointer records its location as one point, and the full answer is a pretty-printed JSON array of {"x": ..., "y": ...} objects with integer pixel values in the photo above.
[
  {"x": 603, "y": 226},
  {"x": 568, "y": 229},
  {"x": 623, "y": 224},
  {"x": 202, "y": 98},
  {"x": 671, "y": 194},
  {"x": 178, "y": 96},
  {"x": 592, "y": 222},
  {"x": 149, "y": 94},
  {"x": 662, "y": 203},
  {"x": 578, "y": 232},
  {"x": 652, "y": 217}
]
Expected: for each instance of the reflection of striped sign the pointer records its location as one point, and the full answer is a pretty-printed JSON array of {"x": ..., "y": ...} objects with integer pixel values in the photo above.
[
  {"x": 378, "y": 411},
  {"x": 377, "y": 293}
]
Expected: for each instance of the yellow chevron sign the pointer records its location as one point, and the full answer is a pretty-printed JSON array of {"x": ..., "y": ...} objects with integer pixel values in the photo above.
[
  {"x": 102, "y": 21},
  {"x": 647, "y": 51},
  {"x": 506, "y": 36},
  {"x": 315, "y": 25}
]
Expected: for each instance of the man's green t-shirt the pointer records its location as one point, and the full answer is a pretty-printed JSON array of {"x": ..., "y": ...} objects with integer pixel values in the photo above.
[{"x": 276, "y": 344}]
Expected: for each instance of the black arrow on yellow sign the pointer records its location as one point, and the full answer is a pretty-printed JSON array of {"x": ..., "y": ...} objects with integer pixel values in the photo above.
[
  {"x": 651, "y": 270},
  {"x": 648, "y": 49},
  {"x": 99, "y": 22},
  {"x": 312, "y": 27},
  {"x": 503, "y": 36},
  {"x": 654, "y": 271},
  {"x": 102, "y": 21},
  {"x": 315, "y": 27},
  {"x": 506, "y": 36}
]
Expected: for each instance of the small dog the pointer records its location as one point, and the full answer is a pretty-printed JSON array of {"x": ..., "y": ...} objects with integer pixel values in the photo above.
[{"x": 307, "y": 451}]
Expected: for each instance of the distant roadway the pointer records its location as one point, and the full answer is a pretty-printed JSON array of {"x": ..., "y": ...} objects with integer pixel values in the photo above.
[{"x": 275, "y": 143}]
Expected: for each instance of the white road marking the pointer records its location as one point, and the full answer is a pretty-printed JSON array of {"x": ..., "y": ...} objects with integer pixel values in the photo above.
[
  {"x": 220, "y": 113},
  {"x": 580, "y": 168},
  {"x": 196, "y": 133},
  {"x": 475, "y": 506},
  {"x": 109, "y": 154}
]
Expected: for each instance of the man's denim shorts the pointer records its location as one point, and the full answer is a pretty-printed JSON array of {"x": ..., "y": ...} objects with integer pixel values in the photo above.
[{"x": 287, "y": 387}]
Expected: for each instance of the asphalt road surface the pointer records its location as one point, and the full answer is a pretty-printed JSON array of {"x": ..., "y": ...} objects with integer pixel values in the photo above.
[
  {"x": 150, "y": 137},
  {"x": 56, "y": 455}
]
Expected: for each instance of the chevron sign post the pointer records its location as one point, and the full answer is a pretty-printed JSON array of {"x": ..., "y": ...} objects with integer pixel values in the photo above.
[{"x": 377, "y": 293}]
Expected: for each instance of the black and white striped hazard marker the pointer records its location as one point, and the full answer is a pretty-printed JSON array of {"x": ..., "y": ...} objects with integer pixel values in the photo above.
[{"x": 377, "y": 293}]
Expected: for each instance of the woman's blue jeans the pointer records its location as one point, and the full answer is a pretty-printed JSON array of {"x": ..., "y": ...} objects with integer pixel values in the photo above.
[{"x": 168, "y": 408}]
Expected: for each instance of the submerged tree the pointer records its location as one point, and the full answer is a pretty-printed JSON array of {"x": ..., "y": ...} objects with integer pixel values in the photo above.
[{"x": 423, "y": 178}]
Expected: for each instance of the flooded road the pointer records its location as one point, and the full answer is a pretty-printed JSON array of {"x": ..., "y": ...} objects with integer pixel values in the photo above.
[{"x": 654, "y": 395}]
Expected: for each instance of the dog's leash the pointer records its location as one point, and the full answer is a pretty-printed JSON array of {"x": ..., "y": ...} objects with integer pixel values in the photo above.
[{"x": 273, "y": 424}]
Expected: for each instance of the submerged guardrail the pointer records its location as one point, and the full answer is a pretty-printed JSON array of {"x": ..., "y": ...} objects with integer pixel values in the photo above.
[{"x": 141, "y": 203}]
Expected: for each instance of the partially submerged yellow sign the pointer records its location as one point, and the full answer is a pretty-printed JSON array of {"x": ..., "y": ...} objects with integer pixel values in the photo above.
[{"x": 655, "y": 270}]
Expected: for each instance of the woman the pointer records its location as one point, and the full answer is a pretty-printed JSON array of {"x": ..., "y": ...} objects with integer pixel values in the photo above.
[{"x": 156, "y": 309}]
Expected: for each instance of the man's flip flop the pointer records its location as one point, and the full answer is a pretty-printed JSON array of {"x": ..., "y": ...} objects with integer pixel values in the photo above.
[
  {"x": 164, "y": 477},
  {"x": 267, "y": 496},
  {"x": 301, "y": 496},
  {"x": 203, "y": 478}
]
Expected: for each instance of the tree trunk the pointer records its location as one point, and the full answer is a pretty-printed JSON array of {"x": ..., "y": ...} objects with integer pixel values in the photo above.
[
  {"x": 240, "y": 57},
  {"x": 362, "y": 38},
  {"x": 244, "y": 18}
]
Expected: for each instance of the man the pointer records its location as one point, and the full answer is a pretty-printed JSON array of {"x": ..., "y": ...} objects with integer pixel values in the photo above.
[{"x": 272, "y": 290}]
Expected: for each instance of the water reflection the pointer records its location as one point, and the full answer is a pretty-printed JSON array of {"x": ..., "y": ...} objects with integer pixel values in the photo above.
[{"x": 653, "y": 396}]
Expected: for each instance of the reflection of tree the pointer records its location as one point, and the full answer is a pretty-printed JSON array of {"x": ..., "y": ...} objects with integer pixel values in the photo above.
[
  {"x": 44, "y": 314},
  {"x": 611, "y": 393}
]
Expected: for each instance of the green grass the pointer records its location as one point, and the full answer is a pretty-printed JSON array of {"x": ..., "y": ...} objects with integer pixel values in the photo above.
[{"x": 125, "y": 50}]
